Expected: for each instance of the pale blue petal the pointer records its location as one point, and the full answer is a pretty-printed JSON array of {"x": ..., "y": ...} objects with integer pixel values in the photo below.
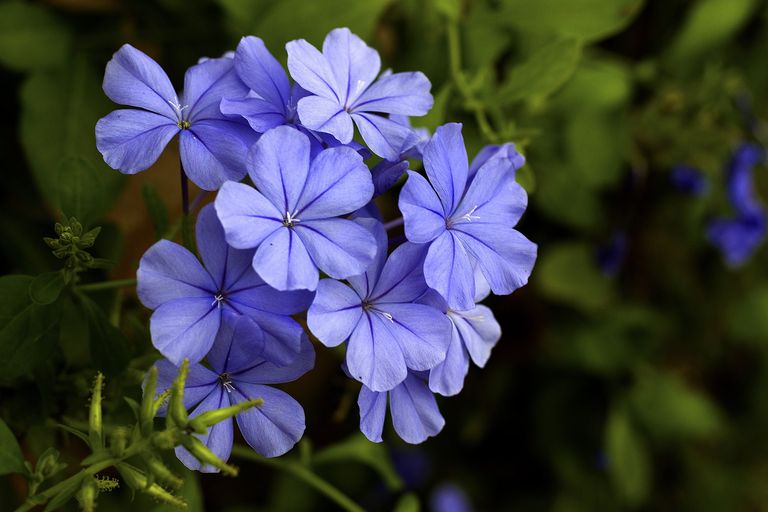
[
  {"x": 213, "y": 152},
  {"x": 385, "y": 137},
  {"x": 414, "y": 411},
  {"x": 310, "y": 69},
  {"x": 363, "y": 284},
  {"x": 422, "y": 212},
  {"x": 185, "y": 328},
  {"x": 206, "y": 84},
  {"x": 385, "y": 174},
  {"x": 448, "y": 270},
  {"x": 274, "y": 427},
  {"x": 374, "y": 356},
  {"x": 262, "y": 72},
  {"x": 283, "y": 262},
  {"x": 422, "y": 332},
  {"x": 400, "y": 93},
  {"x": 260, "y": 114},
  {"x": 200, "y": 383},
  {"x": 132, "y": 140},
  {"x": 479, "y": 332},
  {"x": 447, "y": 378},
  {"x": 339, "y": 247},
  {"x": 445, "y": 160},
  {"x": 506, "y": 152},
  {"x": 263, "y": 371},
  {"x": 283, "y": 336},
  {"x": 247, "y": 216},
  {"x": 279, "y": 166},
  {"x": 493, "y": 197},
  {"x": 402, "y": 278},
  {"x": 354, "y": 64},
  {"x": 373, "y": 409},
  {"x": 239, "y": 343},
  {"x": 334, "y": 313},
  {"x": 324, "y": 115}
]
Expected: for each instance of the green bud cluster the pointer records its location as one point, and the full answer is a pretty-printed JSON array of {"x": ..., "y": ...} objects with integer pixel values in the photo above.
[{"x": 71, "y": 246}]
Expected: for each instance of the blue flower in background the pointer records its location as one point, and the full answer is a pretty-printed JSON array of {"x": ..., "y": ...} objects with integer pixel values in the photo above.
[
  {"x": 739, "y": 237},
  {"x": 414, "y": 410},
  {"x": 292, "y": 220},
  {"x": 387, "y": 332},
  {"x": 212, "y": 146},
  {"x": 463, "y": 224},
  {"x": 192, "y": 302},
  {"x": 449, "y": 498},
  {"x": 610, "y": 256},
  {"x": 239, "y": 373},
  {"x": 344, "y": 89},
  {"x": 689, "y": 180}
]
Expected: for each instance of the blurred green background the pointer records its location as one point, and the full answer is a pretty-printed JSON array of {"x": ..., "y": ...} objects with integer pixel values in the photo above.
[{"x": 641, "y": 385}]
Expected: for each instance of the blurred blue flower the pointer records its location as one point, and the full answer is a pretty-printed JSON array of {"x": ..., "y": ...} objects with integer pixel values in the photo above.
[
  {"x": 610, "y": 256},
  {"x": 449, "y": 498},
  {"x": 689, "y": 180},
  {"x": 239, "y": 373},
  {"x": 466, "y": 224},
  {"x": 212, "y": 146}
]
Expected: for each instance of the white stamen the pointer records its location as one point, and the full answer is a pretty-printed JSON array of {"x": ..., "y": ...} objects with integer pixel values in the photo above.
[
  {"x": 359, "y": 86},
  {"x": 388, "y": 316},
  {"x": 228, "y": 386},
  {"x": 218, "y": 299},
  {"x": 469, "y": 217},
  {"x": 177, "y": 106},
  {"x": 289, "y": 220}
]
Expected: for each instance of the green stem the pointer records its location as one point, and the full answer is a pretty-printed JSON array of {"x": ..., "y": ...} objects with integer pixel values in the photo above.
[
  {"x": 107, "y": 285},
  {"x": 302, "y": 473}
]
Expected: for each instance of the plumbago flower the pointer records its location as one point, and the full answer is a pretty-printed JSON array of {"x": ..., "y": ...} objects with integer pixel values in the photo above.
[
  {"x": 212, "y": 146},
  {"x": 292, "y": 220},
  {"x": 239, "y": 372},
  {"x": 466, "y": 222},
  {"x": 386, "y": 331},
  {"x": 193, "y": 302},
  {"x": 343, "y": 89}
]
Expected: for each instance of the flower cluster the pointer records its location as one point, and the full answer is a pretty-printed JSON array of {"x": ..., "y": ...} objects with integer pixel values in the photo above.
[{"x": 303, "y": 234}]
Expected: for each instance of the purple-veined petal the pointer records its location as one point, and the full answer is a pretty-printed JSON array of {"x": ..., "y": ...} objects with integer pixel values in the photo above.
[
  {"x": 447, "y": 378},
  {"x": 492, "y": 197},
  {"x": 185, "y": 328},
  {"x": 324, "y": 115},
  {"x": 310, "y": 69},
  {"x": 421, "y": 208},
  {"x": 479, "y": 332},
  {"x": 279, "y": 166},
  {"x": 222, "y": 262},
  {"x": 445, "y": 160},
  {"x": 283, "y": 336},
  {"x": 400, "y": 93},
  {"x": 247, "y": 216},
  {"x": 448, "y": 270},
  {"x": 206, "y": 84},
  {"x": 363, "y": 284},
  {"x": 422, "y": 332},
  {"x": 239, "y": 343},
  {"x": 168, "y": 271},
  {"x": 283, "y": 262},
  {"x": 262, "y": 73},
  {"x": 219, "y": 437},
  {"x": 506, "y": 152},
  {"x": 505, "y": 256},
  {"x": 374, "y": 356},
  {"x": 385, "y": 174},
  {"x": 132, "y": 78},
  {"x": 260, "y": 114},
  {"x": 132, "y": 140},
  {"x": 402, "y": 278},
  {"x": 334, "y": 313},
  {"x": 414, "y": 411},
  {"x": 338, "y": 183},
  {"x": 373, "y": 410},
  {"x": 274, "y": 427},
  {"x": 354, "y": 64},
  {"x": 263, "y": 371},
  {"x": 200, "y": 383},
  {"x": 385, "y": 137},
  {"x": 339, "y": 247}
]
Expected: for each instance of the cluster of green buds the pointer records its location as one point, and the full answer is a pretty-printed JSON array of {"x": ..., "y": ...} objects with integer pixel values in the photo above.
[
  {"x": 71, "y": 246},
  {"x": 134, "y": 450}
]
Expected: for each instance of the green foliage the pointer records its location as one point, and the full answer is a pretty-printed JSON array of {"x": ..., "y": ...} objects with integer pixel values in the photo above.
[
  {"x": 359, "y": 449},
  {"x": 11, "y": 459},
  {"x": 31, "y": 38},
  {"x": 628, "y": 461}
]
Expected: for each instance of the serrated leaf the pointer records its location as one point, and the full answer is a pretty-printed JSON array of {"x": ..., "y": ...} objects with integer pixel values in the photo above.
[
  {"x": 31, "y": 37},
  {"x": 358, "y": 448},
  {"x": 46, "y": 288},
  {"x": 11, "y": 458}
]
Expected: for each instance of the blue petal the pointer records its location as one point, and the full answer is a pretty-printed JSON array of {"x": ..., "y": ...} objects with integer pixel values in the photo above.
[
  {"x": 422, "y": 212},
  {"x": 310, "y": 69},
  {"x": 448, "y": 270},
  {"x": 274, "y": 427},
  {"x": 283, "y": 336},
  {"x": 206, "y": 84},
  {"x": 363, "y": 284},
  {"x": 385, "y": 174},
  {"x": 339, "y": 247},
  {"x": 200, "y": 383},
  {"x": 246, "y": 215},
  {"x": 445, "y": 160},
  {"x": 260, "y": 114},
  {"x": 219, "y": 437},
  {"x": 263, "y": 371},
  {"x": 334, "y": 313},
  {"x": 402, "y": 278},
  {"x": 479, "y": 332},
  {"x": 414, "y": 411},
  {"x": 400, "y": 93},
  {"x": 324, "y": 115},
  {"x": 422, "y": 332},
  {"x": 262, "y": 73},
  {"x": 385, "y": 137},
  {"x": 374, "y": 356},
  {"x": 354, "y": 64},
  {"x": 283, "y": 262},
  {"x": 373, "y": 409},
  {"x": 447, "y": 378},
  {"x": 239, "y": 343},
  {"x": 168, "y": 271},
  {"x": 338, "y": 183},
  {"x": 493, "y": 197},
  {"x": 251, "y": 291},
  {"x": 212, "y": 152},
  {"x": 505, "y": 152},
  {"x": 504, "y": 255},
  {"x": 279, "y": 166},
  {"x": 222, "y": 262},
  {"x": 185, "y": 328},
  {"x": 132, "y": 140},
  {"x": 133, "y": 78}
]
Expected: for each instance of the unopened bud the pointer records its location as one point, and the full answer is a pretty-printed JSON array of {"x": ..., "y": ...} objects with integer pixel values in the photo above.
[
  {"x": 162, "y": 473},
  {"x": 138, "y": 481},
  {"x": 201, "y": 423},
  {"x": 203, "y": 454},
  {"x": 95, "y": 428},
  {"x": 177, "y": 413}
]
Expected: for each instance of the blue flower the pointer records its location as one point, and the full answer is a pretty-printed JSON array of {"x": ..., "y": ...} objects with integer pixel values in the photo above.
[
  {"x": 464, "y": 224},
  {"x": 387, "y": 332},
  {"x": 739, "y": 237},
  {"x": 506, "y": 152},
  {"x": 386, "y": 173},
  {"x": 343, "y": 86},
  {"x": 611, "y": 255},
  {"x": 293, "y": 218},
  {"x": 689, "y": 180},
  {"x": 413, "y": 407},
  {"x": 192, "y": 301},
  {"x": 449, "y": 498},
  {"x": 239, "y": 373},
  {"x": 212, "y": 146}
]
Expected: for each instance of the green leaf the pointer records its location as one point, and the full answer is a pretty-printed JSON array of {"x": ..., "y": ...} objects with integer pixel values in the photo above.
[
  {"x": 542, "y": 73},
  {"x": 109, "y": 346},
  {"x": 65, "y": 494},
  {"x": 59, "y": 109},
  {"x": 628, "y": 463},
  {"x": 408, "y": 503},
  {"x": 598, "y": 84},
  {"x": 568, "y": 272},
  {"x": 11, "y": 459},
  {"x": 748, "y": 317},
  {"x": 46, "y": 288},
  {"x": 710, "y": 24},
  {"x": 358, "y": 448},
  {"x": 597, "y": 145},
  {"x": 157, "y": 210},
  {"x": 31, "y": 37},
  {"x": 589, "y": 20}
]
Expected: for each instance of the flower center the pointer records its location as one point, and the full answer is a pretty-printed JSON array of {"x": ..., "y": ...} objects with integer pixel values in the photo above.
[
  {"x": 184, "y": 125},
  {"x": 289, "y": 220},
  {"x": 226, "y": 381},
  {"x": 179, "y": 108},
  {"x": 369, "y": 307},
  {"x": 218, "y": 300},
  {"x": 466, "y": 217}
]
